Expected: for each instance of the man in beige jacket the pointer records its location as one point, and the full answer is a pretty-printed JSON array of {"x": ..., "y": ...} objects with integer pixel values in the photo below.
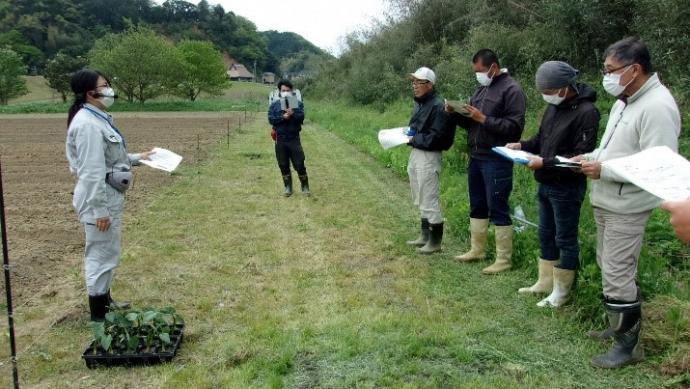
[{"x": 645, "y": 115}]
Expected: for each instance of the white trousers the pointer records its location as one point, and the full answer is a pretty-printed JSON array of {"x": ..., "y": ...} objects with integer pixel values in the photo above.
[
  {"x": 424, "y": 168},
  {"x": 101, "y": 255}
]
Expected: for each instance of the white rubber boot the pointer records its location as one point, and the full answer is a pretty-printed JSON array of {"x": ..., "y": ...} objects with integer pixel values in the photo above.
[
  {"x": 544, "y": 283},
  {"x": 562, "y": 283},
  {"x": 504, "y": 250},
  {"x": 479, "y": 229}
]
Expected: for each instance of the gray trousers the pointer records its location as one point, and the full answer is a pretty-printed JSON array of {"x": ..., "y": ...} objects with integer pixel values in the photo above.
[
  {"x": 424, "y": 168},
  {"x": 101, "y": 255},
  {"x": 619, "y": 242}
]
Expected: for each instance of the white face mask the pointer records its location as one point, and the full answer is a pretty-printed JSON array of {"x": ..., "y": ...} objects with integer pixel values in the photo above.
[
  {"x": 612, "y": 84},
  {"x": 285, "y": 94},
  {"x": 107, "y": 97},
  {"x": 553, "y": 99},
  {"x": 483, "y": 78}
]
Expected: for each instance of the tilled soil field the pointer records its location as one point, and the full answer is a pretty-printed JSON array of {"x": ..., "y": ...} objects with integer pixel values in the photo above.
[{"x": 45, "y": 239}]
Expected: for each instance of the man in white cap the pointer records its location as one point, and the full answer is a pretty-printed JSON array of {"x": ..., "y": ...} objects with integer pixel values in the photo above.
[{"x": 430, "y": 134}]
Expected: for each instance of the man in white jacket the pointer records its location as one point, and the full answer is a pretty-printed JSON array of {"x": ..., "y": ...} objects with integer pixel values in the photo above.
[{"x": 645, "y": 115}]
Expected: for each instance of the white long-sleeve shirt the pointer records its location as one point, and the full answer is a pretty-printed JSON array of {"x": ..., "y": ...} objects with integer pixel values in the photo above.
[
  {"x": 649, "y": 118},
  {"x": 95, "y": 147}
]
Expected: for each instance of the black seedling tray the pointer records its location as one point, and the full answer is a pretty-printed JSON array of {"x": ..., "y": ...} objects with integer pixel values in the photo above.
[{"x": 100, "y": 358}]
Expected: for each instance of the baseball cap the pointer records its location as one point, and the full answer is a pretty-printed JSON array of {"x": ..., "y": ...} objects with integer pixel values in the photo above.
[{"x": 424, "y": 73}]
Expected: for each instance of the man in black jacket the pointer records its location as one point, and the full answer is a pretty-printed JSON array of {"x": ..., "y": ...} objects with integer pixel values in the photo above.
[
  {"x": 430, "y": 134},
  {"x": 287, "y": 122},
  {"x": 568, "y": 128},
  {"x": 494, "y": 117}
]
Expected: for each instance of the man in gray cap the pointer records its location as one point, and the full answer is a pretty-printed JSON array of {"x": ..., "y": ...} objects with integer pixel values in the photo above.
[
  {"x": 568, "y": 128},
  {"x": 429, "y": 135}
]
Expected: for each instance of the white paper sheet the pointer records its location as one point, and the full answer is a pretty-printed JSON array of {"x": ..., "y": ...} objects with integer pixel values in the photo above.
[
  {"x": 163, "y": 159},
  {"x": 567, "y": 163},
  {"x": 657, "y": 170},
  {"x": 393, "y": 137}
]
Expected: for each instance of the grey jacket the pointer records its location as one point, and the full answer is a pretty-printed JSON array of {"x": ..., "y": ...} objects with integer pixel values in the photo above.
[
  {"x": 95, "y": 147},
  {"x": 649, "y": 118}
]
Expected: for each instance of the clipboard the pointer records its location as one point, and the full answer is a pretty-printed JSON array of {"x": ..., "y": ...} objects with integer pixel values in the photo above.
[
  {"x": 288, "y": 102},
  {"x": 517, "y": 156}
]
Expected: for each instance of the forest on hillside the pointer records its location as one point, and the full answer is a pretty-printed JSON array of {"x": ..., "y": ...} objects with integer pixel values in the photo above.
[
  {"x": 444, "y": 34},
  {"x": 40, "y": 29}
]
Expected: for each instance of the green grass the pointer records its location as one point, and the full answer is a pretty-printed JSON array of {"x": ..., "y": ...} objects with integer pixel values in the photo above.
[{"x": 320, "y": 291}]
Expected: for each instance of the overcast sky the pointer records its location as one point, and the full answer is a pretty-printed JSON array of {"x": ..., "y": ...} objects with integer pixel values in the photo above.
[{"x": 322, "y": 22}]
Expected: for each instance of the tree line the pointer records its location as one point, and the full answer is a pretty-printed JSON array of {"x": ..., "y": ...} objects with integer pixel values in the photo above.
[
  {"x": 141, "y": 64},
  {"x": 444, "y": 34}
]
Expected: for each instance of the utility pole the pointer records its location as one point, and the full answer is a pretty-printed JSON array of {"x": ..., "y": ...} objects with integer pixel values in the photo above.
[{"x": 255, "y": 76}]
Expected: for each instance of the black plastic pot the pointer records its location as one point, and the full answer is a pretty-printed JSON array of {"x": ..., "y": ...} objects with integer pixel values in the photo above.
[{"x": 95, "y": 356}]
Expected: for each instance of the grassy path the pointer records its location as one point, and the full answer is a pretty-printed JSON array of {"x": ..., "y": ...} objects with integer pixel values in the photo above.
[{"x": 321, "y": 291}]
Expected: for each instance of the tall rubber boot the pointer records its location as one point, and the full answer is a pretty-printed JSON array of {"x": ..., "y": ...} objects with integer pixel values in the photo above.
[
  {"x": 115, "y": 304},
  {"x": 626, "y": 322},
  {"x": 607, "y": 333},
  {"x": 563, "y": 280},
  {"x": 602, "y": 335},
  {"x": 479, "y": 229},
  {"x": 433, "y": 245},
  {"x": 304, "y": 181},
  {"x": 287, "y": 181},
  {"x": 544, "y": 283},
  {"x": 98, "y": 305},
  {"x": 504, "y": 250},
  {"x": 423, "y": 235}
]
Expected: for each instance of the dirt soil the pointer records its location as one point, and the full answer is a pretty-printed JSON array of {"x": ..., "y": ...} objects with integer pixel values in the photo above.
[{"x": 45, "y": 239}]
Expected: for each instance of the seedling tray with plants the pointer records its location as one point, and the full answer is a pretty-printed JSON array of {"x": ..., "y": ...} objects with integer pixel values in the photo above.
[{"x": 130, "y": 337}]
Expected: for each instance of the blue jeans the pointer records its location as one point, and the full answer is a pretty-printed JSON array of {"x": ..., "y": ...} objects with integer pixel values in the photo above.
[
  {"x": 559, "y": 218},
  {"x": 490, "y": 183}
]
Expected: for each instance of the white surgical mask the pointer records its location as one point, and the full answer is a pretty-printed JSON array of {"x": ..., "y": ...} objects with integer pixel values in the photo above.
[
  {"x": 483, "y": 77},
  {"x": 107, "y": 97},
  {"x": 612, "y": 84},
  {"x": 285, "y": 94},
  {"x": 553, "y": 99}
]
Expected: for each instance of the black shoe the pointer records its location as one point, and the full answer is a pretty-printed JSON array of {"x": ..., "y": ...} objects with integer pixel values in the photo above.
[
  {"x": 98, "y": 305},
  {"x": 117, "y": 305},
  {"x": 304, "y": 180},
  {"x": 433, "y": 245},
  {"x": 287, "y": 181},
  {"x": 423, "y": 235},
  {"x": 626, "y": 321}
]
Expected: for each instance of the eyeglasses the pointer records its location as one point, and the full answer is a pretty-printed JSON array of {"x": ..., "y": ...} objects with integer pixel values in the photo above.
[
  {"x": 606, "y": 72},
  {"x": 419, "y": 82}
]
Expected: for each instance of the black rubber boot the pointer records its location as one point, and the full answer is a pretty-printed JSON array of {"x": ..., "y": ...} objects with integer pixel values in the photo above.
[
  {"x": 304, "y": 180},
  {"x": 287, "y": 181},
  {"x": 98, "y": 305},
  {"x": 423, "y": 235},
  {"x": 117, "y": 305},
  {"x": 626, "y": 321},
  {"x": 433, "y": 245},
  {"x": 602, "y": 335}
]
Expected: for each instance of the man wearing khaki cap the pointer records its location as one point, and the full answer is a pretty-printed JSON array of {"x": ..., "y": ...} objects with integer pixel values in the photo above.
[{"x": 430, "y": 134}]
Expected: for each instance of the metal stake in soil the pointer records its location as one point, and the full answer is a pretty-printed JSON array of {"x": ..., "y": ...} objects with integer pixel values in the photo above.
[
  {"x": 228, "y": 134},
  {"x": 8, "y": 288},
  {"x": 198, "y": 152}
]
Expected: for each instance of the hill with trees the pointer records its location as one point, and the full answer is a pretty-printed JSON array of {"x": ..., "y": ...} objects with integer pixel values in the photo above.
[
  {"x": 444, "y": 34},
  {"x": 40, "y": 29}
]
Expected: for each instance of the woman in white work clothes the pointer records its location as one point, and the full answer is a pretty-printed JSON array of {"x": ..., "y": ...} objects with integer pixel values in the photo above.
[{"x": 97, "y": 155}]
